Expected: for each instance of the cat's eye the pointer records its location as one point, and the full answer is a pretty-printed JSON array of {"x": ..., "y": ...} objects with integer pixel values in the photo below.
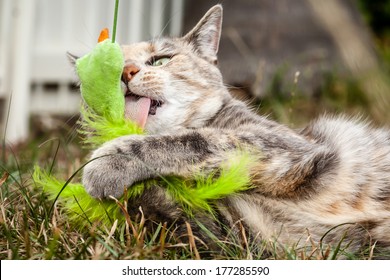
[{"x": 160, "y": 61}]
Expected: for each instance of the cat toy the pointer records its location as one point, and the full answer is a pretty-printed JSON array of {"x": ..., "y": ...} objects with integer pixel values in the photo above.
[{"x": 100, "y": 76}]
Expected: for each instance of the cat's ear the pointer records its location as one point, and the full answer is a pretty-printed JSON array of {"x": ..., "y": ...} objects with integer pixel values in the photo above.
[
  {"x": 72, "y": 58},
  {"x": 206, "y": 34}
]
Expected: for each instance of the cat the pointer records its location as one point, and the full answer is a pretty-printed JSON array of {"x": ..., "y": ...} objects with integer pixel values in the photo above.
[{"x": 329, "y": 181}]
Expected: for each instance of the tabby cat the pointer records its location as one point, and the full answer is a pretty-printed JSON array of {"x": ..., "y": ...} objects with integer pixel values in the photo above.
[{"x": 331, "y": 177}]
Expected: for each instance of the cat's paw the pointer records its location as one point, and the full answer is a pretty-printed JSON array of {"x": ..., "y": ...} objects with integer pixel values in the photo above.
[{"x": 107, "y": 174}]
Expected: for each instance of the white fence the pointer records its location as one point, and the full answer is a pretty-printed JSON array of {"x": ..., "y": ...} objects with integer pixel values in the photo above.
[{"x": 35, "y": 36}]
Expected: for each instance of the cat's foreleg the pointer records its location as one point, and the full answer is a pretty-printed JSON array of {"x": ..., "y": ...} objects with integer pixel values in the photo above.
[
  {"x": 284, "y": 168},
  {"x": 122, "y": 162}
]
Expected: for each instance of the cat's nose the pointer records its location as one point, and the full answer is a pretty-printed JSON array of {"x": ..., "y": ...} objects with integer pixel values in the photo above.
[{"x": 129, "y": 72}]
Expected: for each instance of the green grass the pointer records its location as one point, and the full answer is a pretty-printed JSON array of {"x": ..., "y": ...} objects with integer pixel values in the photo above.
[{"x": 30, "y": 230}]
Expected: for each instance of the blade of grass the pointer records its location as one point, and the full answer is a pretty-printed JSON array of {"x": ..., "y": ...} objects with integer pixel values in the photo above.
[
  {"x": 82, "y": 210},
  {"x": 108, "y": 247},
  {"x": 70, "y": 179},
  {"x": 55, "y": 153},
  {"x": 22, "y": 189},
  {"x": 5, "y": 128},
  {"x": 326, "y": 233},
  {"x": 4, "y": 178}
]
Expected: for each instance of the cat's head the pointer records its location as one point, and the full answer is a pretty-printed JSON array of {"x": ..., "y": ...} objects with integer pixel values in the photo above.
[{"x": 174, "y": 83}]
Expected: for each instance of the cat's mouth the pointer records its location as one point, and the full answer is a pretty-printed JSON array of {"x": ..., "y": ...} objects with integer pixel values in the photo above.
[{"x": 138, "y": 108}]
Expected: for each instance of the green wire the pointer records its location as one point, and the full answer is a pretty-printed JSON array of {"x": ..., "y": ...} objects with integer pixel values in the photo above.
[{"x": 115, "y": 20}]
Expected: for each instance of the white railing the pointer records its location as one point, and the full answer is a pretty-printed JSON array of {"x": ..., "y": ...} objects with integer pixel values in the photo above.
[{"x": 35, "y": 36}]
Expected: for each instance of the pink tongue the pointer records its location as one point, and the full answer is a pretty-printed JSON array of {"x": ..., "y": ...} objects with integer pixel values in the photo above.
[{"x": 137, "y": 109}]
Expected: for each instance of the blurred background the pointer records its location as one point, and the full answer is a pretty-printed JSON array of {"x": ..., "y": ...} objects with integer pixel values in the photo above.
[{"x": 292, "y": 59}]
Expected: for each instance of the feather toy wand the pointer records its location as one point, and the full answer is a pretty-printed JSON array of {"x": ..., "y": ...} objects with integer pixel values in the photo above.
[{"x": 103, "y": 119}]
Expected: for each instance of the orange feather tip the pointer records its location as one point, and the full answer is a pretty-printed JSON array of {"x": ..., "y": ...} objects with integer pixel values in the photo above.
[{"x": 103, "y": 35}]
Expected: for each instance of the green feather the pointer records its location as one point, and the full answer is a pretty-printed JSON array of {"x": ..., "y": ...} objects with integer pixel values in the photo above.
[
  {"x": 202, "y": 192},
  {"x": 98, "y": 129},
  {"x": 80, "y": 206},
  {"x": 199, "y": 194}
]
